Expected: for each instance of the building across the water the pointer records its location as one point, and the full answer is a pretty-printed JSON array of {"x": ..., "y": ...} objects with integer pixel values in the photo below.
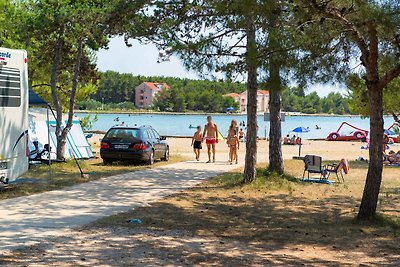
[
  {"x": 262, "y": 100},
  {"x": 145, "y": 93}
]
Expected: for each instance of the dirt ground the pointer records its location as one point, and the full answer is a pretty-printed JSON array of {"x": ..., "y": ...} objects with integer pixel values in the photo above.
[{"x": 274, "y": 221}]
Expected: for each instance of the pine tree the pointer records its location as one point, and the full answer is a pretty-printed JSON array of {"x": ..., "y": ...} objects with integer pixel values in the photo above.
[{"x": 368, "y": 32}]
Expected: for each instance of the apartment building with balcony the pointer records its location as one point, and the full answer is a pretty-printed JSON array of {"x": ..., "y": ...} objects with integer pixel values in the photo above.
[
  {"x": 146, "y": 92},
  {"x": 262, "y": 100}
]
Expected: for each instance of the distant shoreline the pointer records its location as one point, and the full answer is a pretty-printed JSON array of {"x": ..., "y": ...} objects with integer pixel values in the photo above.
[
  {"x": 146, "y": 112},
  {"x": 188, "y": 137}
]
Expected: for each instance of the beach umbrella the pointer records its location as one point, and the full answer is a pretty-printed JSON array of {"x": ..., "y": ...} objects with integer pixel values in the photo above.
[
  {"x": 389, "y": 132},
  {"x": 300, "y": 129}
]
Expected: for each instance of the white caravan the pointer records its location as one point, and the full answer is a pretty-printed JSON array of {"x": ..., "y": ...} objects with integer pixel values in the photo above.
[{"x": 13, "y": 114}]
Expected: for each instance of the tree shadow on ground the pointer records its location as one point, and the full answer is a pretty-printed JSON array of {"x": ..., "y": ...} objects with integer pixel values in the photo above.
[
  {"x": 235, "y": 226},
  {"x": 274, "y": 230}
]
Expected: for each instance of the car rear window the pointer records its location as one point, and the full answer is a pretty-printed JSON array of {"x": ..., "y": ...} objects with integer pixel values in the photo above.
[{"x": 124, "y": 133}]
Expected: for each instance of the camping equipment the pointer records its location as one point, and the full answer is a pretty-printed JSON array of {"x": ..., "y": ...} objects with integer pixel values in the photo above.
[{"x": 313, "y": 164}]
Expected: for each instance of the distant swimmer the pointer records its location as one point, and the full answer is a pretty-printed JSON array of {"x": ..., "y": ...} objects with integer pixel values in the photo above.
[
  {"x": 116, "y": 119},
  {"x": 318, "y": 127}
]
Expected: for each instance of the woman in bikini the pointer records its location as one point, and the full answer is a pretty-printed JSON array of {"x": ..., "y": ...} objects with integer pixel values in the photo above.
[{"x": 233, "y": 142}]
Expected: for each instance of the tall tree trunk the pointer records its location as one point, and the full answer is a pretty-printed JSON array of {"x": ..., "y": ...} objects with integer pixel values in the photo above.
[
  {"x": 71, "y": 106},
  {"x": 375, "y": 98},
  {"x": 251, "y": 138},
  {"x": 54, "y": 93},
  {"x": 275, "y": 132},
  {"x": 275, "y": 83},
  {"x": 374, "y": 177}
]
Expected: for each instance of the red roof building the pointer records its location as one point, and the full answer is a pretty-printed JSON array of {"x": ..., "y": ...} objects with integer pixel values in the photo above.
[
  {"x": 262, "y": 100},
  {"x": 146, "y": 91}
]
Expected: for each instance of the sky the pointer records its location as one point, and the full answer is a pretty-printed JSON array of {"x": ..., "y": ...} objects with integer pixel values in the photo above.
[{"x": 142, "y": 60}]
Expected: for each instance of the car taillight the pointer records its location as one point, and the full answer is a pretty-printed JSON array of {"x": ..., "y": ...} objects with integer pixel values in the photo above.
[
  {"x": 104, "y": 146},
  {"x": 140, "y": 146}
]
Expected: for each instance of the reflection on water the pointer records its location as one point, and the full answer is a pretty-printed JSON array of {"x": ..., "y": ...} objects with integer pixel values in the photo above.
[{"x": 178, "y": 125}]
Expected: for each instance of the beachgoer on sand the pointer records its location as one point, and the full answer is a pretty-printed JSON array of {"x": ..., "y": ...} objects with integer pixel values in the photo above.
[
  {"x": 241, "y": 134},
  {"x": 286, "y": 140},
  {"x": 298, "y": 141},
  {"x": 293, "y": 140}
]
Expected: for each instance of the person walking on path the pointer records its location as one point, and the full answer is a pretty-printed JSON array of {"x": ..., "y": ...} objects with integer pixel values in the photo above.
[
  {"x": 211, "y": 136},
  {"x": 196, "y": 142}
]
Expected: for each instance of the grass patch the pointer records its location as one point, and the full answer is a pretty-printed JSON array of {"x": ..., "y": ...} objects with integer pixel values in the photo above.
[
  {"x": 243, "y": 214},
  {"x": 353, "y": 163},
  {"x": 265, "y": 181},
  {"x": 67, "y": 174},
  {"x": 381, "y": 220},
  {"x": 274, "y": 207}
]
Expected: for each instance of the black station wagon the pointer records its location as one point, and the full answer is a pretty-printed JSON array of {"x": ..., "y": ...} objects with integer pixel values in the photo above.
[{"x": 133, "y": 143}]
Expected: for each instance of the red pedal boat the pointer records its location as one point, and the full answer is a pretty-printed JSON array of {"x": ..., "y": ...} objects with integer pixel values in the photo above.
[{"x": 357, "y": 134}]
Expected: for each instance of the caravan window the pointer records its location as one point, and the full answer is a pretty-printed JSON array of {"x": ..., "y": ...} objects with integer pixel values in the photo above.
[{"x": 10, "y": 87}]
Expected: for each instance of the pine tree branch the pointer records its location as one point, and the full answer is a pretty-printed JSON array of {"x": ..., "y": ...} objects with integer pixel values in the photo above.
[
  {"x": 352, "y": 29},
  {"x": 395, "y": 117},
  {"x": 389, "y": 76}
]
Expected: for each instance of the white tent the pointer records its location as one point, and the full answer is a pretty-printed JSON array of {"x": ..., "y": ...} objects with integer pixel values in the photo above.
[{"x": 77, "y": 144}]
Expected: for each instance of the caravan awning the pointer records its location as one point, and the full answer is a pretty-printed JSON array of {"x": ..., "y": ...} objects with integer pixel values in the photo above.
[{"x": 35, "y": 99}]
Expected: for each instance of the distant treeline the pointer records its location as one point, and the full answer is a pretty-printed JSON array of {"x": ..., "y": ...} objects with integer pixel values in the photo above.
[
  {"x": 295, "y": 100},
  {"x": 115, "y": 87},
  {"x": 117, "y": 91}
]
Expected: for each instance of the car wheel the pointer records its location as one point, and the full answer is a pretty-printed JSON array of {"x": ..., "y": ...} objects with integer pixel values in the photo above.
[
  {"x": 151, "y": 158},
  {"x": 334, "y": 136},
  {"x": 107, "y": 161},
  {"x": 358, "y": 135},
  {"x": 166, "y": 156}
]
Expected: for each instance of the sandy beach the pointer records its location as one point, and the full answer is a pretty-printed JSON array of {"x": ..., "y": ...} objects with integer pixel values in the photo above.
[{"x": 328, "y": 150}]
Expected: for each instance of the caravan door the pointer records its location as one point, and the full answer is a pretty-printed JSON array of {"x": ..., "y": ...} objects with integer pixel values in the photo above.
[{"x": 13, "y": 114}]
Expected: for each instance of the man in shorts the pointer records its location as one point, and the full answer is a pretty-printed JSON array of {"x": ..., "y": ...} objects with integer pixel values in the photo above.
[{"x": 211, "y": 136}]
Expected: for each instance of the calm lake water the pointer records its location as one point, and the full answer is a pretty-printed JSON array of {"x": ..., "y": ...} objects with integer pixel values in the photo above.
[{"x": 178, "y": 125}]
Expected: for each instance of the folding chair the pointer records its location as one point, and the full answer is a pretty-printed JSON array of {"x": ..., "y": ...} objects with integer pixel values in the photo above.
[
  {"x": 337, "y": 169},
  {"x": 313, "y": 164}
]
